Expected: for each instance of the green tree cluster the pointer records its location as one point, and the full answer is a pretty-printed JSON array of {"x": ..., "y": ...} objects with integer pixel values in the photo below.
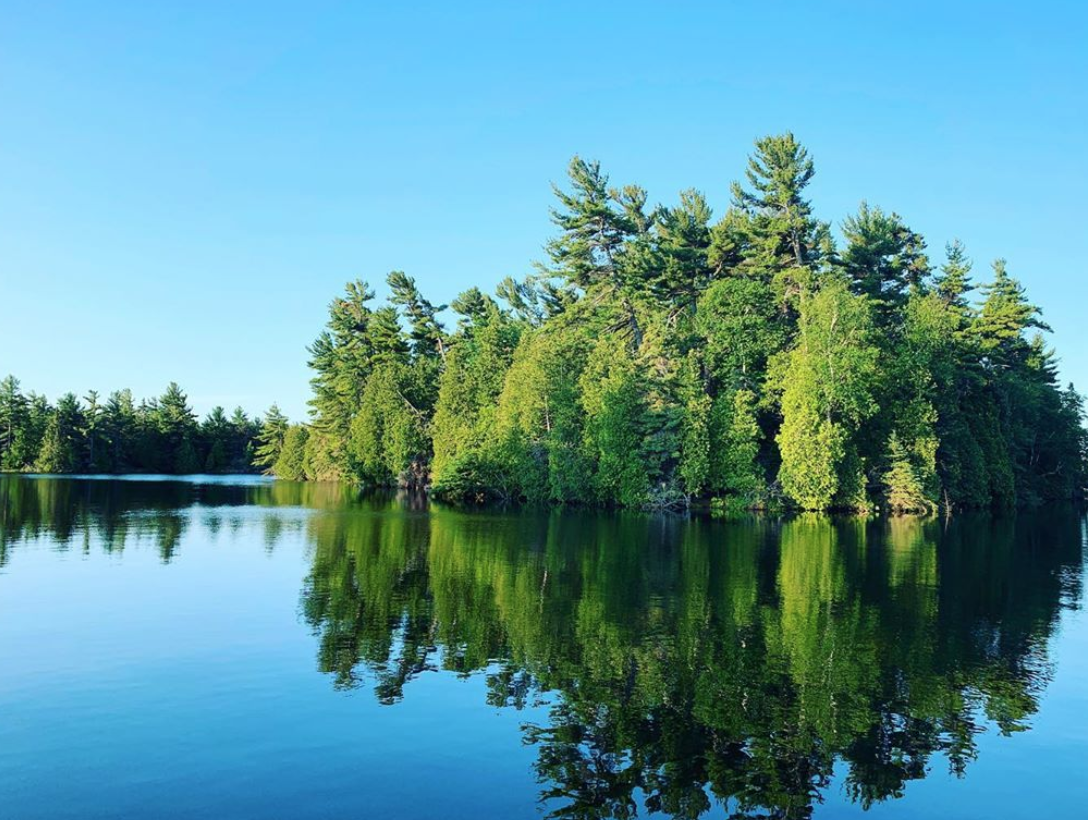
[
  {"x": 660, "y": 355},
  {"x": 117, "y": 435}
]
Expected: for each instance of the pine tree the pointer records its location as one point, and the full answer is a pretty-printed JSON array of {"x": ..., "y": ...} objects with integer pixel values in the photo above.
[
  {"x": 1005, "y": 315},
  {"x": 782, "y": 229},
  {"x": 427, "y": 334},
  {"x": 342, "y": 358},
  {"x": 215, "y": 433},
  {"x": 953, "y": 283},
  {"x": 903, "y": 487},
  {"x": 291, "y": 464},
  {"x": 13, "y": 417},
  {"x": 121, "y": 428},
  {"x": 674, "y": 261},
  {"x": 270, "y": 439},
  {"x": 883, "y": 257},
  {"x": 594, "y": 221},
  {"x": 61, "y": 444},
  {"x": 95, "y": 456}
]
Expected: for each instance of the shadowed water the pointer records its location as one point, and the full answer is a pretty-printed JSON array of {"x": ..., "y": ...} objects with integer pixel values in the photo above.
[{"x": 240, "y": 647}]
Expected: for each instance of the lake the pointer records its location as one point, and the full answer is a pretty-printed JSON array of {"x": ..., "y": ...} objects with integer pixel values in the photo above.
[{"x": 237, "y": 647}]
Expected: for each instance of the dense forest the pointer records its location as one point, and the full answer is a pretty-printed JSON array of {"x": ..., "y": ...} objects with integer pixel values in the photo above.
[
  {"x": 658, "y": 356},
  {"x": 119, "y": 435}
]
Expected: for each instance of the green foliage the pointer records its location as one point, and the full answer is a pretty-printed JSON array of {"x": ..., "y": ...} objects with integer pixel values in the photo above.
[
  {"x": 904, "y": 489},
  {"x": 57, "y": 454},
  {"x": 782, "y": 230},
  {"x": 742, "y": 327},
  {"x": 115, "y": 436},
  {"x": 15, "y": 454},
  {"x": 1005, "y": 316},
  {"x": 740, "y": 470},
  {"x": 342, "y": 358},
  {"x": 428, "y": 337},
  {"x": 698, "y": 442},
  {"x": 539, "y": 420},
  {"x": 660, "y": 355},
  {"x": 830, "y": 385},
  {"x": 291, "y": 464},
  {"x": 270, "y": 439},
  {"x": 594, "y": 222},
  {"x": 615, "y": 420},
  {"x": 389, "y": 442},
  {"x": 468, "y": 392},
  {"x": 953, "y": 283},
  {"x": 883, "y": 257}
]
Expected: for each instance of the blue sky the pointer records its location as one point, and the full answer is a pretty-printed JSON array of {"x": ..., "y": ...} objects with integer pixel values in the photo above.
[{"x": 185, "y": 186}]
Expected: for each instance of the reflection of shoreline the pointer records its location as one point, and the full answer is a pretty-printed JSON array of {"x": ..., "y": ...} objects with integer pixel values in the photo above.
[
  {"x": 687, "y": 658},
  {"x": 678, "y": 658},
  {"x": 141, "y": 508}
]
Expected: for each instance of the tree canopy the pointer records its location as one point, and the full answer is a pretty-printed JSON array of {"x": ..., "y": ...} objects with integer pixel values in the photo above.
[
  {"x": 159, "y": 435},
  {"x": 658, "y": 355}
]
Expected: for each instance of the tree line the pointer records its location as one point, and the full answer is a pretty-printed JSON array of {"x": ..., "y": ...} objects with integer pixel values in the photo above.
[
  {"x": 118, "y": 435},
  {"x": 659, "y": 355}
]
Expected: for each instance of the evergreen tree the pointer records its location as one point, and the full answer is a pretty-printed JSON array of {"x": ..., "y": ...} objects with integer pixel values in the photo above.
[
  {"x": 883, "y": 258},
  {"x": 177, "y": 428},
  {"x": 341, "y": 357},
  {"x": 427, "y": 334},
  {"x": 270, "y": 439},
  {"x": 13, "y": 418},
  {"x": 389, "y": 439},
  {"x": 903, "y": 487},
  {"x": 662, "y": 356},
  {"x": 740, "y": 471},
  {"x": 121, "y": 429},
  {"x": 829, "y": 386},
  {"x": 468, "y": 390},
  {"x": 117, "y": 435},
  {"x": 55, "y": 455},
  {"x": 783, "y": 240},
  {"x": 215, "y": 435},
  {"x": 539, "y": 423},
  {"x": 594, "y": 221},
  {"x": 291, "y": 464},
  {"x": 953, "y": 283},
  {"x": 1005, "y": 316},
  {"x": 61, "y": 444},
  {"x": 95, "y": 457},
  {"x": 616, "y": 416},
  {"x": 243, "y": 431}
]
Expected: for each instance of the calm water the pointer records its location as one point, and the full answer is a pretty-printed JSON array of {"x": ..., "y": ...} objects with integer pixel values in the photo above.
[{"x": 241, "y": 648}]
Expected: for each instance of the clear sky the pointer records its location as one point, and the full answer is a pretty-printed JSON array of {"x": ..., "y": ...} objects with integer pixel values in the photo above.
[{"x": 185, "y": 185}]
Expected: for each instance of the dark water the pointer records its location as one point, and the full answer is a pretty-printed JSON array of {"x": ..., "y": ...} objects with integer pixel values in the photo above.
[{"x": 254, "y": 649}]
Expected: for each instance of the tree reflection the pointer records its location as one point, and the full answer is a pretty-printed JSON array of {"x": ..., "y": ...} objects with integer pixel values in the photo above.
[
  {"x": 694, "y": 663},
  {"x": 113, "y": 514},
  {"x": 681, "y": 665}
]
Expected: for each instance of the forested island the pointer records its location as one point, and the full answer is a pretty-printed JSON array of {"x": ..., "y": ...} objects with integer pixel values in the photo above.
[
  {"x": 655, "y": 358},
  {"x": 658, "y": 356}
]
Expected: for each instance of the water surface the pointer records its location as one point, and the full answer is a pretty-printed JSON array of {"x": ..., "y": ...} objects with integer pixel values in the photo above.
[{"x": 247, "y": 648}]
